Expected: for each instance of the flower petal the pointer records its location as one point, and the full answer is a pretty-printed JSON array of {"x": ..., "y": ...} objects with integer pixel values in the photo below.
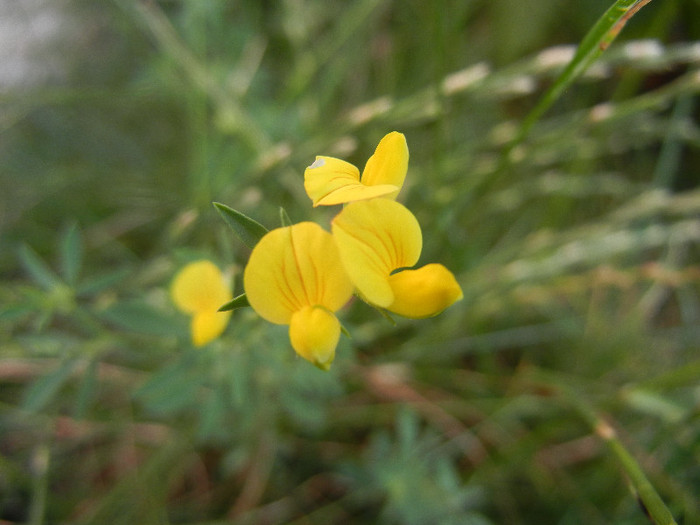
[
  {"x": 326, "y": 175},
  {"x": 329, "y": 181},
  {"x": 200, "y": 286},
  {"x": 389, "y": 163},
  {"x": 294, "y": 267},
  {"x": 374, "y": 238},
  {"x": 358, "y": 192},
  {"x": 424, "y": 292},
  {"x": 208, "y": 325},
  {"x": 314, "y": 333}
]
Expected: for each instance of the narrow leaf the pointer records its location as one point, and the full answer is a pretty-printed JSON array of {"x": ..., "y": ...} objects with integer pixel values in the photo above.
[
  {"x": 248, "y": 230},
  {"x": 43, "y": 390},
  {"x": 97, "y": 284},
  {"x": 87, "y": 390},
  {"x": 140, "y": 317},
  {"x": 38, "y": 269},
  {"x": 240, "y": 301}
]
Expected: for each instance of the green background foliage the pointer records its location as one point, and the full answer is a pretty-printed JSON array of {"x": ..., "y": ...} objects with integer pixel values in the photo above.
[{"x": 562, "y": 389}]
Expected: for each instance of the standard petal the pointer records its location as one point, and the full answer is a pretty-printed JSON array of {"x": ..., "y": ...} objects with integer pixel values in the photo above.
[
  {"x": 326, "y": 175},
  {"x": 329, "y": 181},
  {"x": 374, "y": 238},
  {"x": 389, "y": 163},
  {"x": 294, "y": 267},
  {"x": 200, "y": 286},
  {"x": 208, "y": 325},
  {"x": 424, "y": 292},
  {"x": 314, "y": 333}
]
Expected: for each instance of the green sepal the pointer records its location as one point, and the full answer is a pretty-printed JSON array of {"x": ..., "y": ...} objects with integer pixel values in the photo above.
[
  {"x": 345, "y": 331},
  {"x": 248, "y": 230},
  {"x": 384, "y": 312},
  {"x": 284, "y": 218},
  {"x": 322, "y": 366},
  {"x": 240, "y": 301}
]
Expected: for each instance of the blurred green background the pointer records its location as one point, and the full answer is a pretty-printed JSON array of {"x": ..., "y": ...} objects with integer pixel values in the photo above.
[{"x": 577, "y": 249}]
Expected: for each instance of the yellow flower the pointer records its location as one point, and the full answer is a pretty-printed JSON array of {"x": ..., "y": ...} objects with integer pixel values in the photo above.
[
  {"x": 294, "y": 276},
  {"x": 199, "y": 289},
  {"x": 330, "y": 181},
  {"x": 377, "y": 240}
]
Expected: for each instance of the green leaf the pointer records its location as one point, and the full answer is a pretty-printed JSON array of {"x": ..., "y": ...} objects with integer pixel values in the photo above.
[
  {"x": 139, "y": 316},
  {"x": 174, "y": 388},
  {"x": 44, "y": 389},
  {"x": 284, "y": 218},
  {"x": 14, "y": 313},
  {"x": 248, "y": 230},
  {"x": 38, "y": 270},
  {"x": 212, "y": 414},
  {"x": 240, "y": 301},
  {"x": 86, "y": 391},
  {"x": 71, "y": 254},
  {"x": 97, "y": 284}
]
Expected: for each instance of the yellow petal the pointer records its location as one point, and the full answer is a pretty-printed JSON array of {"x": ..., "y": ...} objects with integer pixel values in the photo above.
[
  {"x": 329, "y": 181},
  {"x": 294, "y": 267},
  {"x": 199, "y": 287},
  {"x": 314, "y": 334},
  {"x": 374, "y": 238},
  {"x": 358, "y": 192},
  {"x": 424, "y": 292},
  {"x": 208, "y": 325},
  {"x": 389, "y": 163}
]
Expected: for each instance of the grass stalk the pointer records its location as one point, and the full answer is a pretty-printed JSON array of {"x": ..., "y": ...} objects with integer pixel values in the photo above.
[
  {"x": 596, "y": 41},
  {"x": 640, "y": 484}
]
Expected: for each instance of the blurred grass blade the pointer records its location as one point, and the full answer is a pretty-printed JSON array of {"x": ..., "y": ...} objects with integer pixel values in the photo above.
[
  {"x": 592, "y": 46},
  {"x": 355, "y": 16},
  {"x": 170, "y": 43},
  {"x": 43, "y": 390},
  {"x": 87, "y": 391},
  {"x": 38, "y": 270},
  {"x": 71, "y": 254},
  {"x": 248, "y": 230},
  {"x": 240, "y": 301}
]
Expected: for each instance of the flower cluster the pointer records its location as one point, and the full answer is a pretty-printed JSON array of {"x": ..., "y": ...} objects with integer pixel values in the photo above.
[{"x": 300, "y": 275}]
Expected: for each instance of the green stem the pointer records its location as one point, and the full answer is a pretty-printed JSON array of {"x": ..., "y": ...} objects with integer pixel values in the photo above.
[
  {"x": 645, "y": 491},
  {"x": 40, "y": 467},
  {"x": 597, "y": 40}
]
